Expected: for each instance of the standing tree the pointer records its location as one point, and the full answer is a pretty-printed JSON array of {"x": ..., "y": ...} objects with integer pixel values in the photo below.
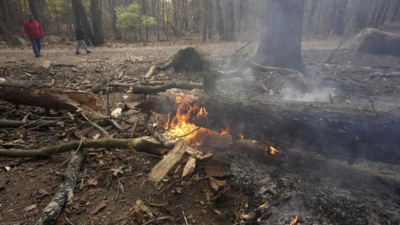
[
  {"x": 220, "y": 21},
  {"x": 80, "y": 15},
  {"x": 231, "y": 21},
  {"x": 339, "y": 15},
  {"x": 96, "y": 22},
  {"x": 280, "y": 44},
  {"x": 34, "y": 9}
]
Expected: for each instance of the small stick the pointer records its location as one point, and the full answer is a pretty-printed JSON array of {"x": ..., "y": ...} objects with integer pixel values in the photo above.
[
  {"x": 183, "y": 212},
  {"x": 134, "y": 128},
  {"x": 242, "y": 48}
]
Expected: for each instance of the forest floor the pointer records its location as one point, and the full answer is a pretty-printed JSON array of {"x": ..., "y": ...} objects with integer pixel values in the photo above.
[{"x": 320, "y": 188}]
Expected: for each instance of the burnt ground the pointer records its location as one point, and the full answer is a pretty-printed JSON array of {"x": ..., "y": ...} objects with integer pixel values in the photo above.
[{"x": 320, "y": 189}]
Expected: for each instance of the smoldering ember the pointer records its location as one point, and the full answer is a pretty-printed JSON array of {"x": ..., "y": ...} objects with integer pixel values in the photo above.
[{"x": 276, "y": 112}]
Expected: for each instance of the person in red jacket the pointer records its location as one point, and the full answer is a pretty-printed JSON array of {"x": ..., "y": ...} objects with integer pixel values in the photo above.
[{"x": 35, "y": 33}]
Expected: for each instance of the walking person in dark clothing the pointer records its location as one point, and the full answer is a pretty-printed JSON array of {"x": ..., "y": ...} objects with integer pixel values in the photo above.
[
  {"x": 80, "y": 37},
  {"x": 34, "y": 31}
]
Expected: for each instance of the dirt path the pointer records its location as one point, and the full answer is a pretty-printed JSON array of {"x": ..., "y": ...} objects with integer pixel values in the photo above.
[{"x": 65, "y": 54}]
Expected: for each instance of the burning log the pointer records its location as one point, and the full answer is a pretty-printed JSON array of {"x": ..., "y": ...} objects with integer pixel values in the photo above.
[
  {"x": 374, "y": 131},
  {"x": 35, "y": 93}
]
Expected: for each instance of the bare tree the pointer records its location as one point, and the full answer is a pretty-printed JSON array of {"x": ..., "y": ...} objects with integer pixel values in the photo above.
[
  {"x": 220, "y": 21},
  {"x": 80, "y": 15},
  {"x": 280, "y": 44},
  {"x": 96, "y": 22},
  {"x": 338, "y": 19}
]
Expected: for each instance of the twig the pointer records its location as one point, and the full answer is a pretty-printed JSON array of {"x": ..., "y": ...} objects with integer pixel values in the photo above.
[
  {"x": 158, "y": 219},
  {"x": 134, "y": 128},
  {"x": 242, "y": 48},
  {"x": 116, "y": 217},
  {"x": 100, "y": 129},
  {"x": 67, "y": 220},
  {"x": 183, "y": 212},
  {"x": 169, "y": 185},
  {"x": 188, "y": 133}
]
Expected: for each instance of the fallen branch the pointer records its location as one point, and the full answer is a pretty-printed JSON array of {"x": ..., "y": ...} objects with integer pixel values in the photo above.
[
  {"x": 144, "y": 144},
  {"x": 66, "y": 191},
  {"x": 17, "y": 124},
  {"x": 160, "y": 68},
  {"x": 174, "y": 156},
  {"x": 240, "y": 49},
  {"x": 144, "y": 89}
]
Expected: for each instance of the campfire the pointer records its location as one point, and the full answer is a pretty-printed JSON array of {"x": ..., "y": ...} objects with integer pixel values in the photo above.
[{"x": 183, "y": 126}]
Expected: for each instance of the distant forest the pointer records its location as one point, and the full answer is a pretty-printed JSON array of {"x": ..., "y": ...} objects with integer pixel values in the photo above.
[{"x": 138, "y": 20}]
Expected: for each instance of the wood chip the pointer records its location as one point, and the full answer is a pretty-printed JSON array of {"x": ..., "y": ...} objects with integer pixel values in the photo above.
[{"x": 98, "y": 206}]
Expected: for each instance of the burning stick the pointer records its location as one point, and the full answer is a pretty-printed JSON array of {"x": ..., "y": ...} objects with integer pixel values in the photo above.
[{"x": 294, "y": 221}]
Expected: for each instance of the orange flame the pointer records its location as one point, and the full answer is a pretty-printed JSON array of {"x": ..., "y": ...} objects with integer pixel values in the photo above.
[
  {"x": 182, "y": 125},
  {"x": 241, "y": 136},
  {"x": 294, "y": 221},
  {"x": 259, "y": 219},
  {"x": 263, "y": 206},
  {"x": 273, "y": 150},
  {"x": 226, "y": 130}
]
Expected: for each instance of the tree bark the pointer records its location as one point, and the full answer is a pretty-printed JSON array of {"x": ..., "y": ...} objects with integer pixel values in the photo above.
[
  {"x": 205, "y": 20},
  {"x": 114, "y": 20},
  {"x": 80, "y": 15},
  {"x": 34, "y": 9},
  {"x": 6, "y": 34},
  {"x": 379, "y": 17},
  {"x": 96, "y": 23},
  {"x": 311, "y": 14},
  {"x": 396, "y": 10},
  {"x": 231, "y": 21},
  {"x": 220, "y": 21},
  {"x": 65, "y": 192},
  {"x": 338, "y": 23},
  {"x": 280, "y": 44}
]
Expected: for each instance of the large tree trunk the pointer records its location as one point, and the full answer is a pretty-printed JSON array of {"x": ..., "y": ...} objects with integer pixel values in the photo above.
[
  {"x": 96, "y": 22},
  {"x": 220, "y": 21},
  {"x": 34, "y": 9},
  {"x": 339, "y": 15},
  {"x": 80, "y": 15},
  {"x": 349, "y": 130},
  {"x": 280, "y": 44}
]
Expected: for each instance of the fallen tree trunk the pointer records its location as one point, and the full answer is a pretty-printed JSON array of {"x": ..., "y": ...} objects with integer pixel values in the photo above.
[
  {"x": 372, "y": 131},
  {"x": 65, "y": 192},
  {"x": 35, "y": 93}
]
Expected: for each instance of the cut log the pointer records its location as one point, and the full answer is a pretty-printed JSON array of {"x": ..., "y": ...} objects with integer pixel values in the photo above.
[
  {"x": 174, "y": 156},
  {"x": 65, "y": 192},
  {"x": 35, "y": 93},
  {"x": 371, "y": 131}
]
